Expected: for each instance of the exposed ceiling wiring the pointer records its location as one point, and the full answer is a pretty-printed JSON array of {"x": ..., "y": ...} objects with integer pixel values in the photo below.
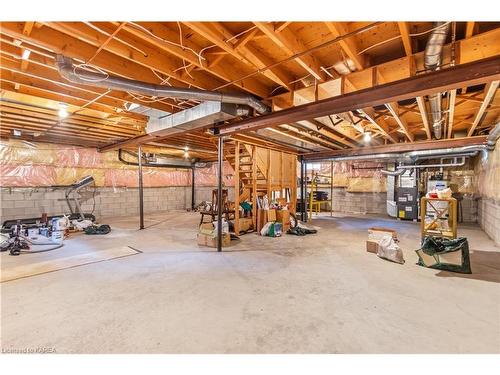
[
  {"x": 89, "y": 24},
  {"x": 399, "y": 36},
  {"x": 184, "y": 48}
]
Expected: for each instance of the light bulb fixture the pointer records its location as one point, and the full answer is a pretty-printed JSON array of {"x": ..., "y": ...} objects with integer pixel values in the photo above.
[
  {"x": 131, "y": 106},
  {"x": 63, "y": 111},
  {"x": 186, "y": 148},
  {"x": 26, "y": 54},
  {"x": 367, "y": 137}
]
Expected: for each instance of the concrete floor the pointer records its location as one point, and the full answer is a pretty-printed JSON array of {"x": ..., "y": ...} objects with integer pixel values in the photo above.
[{"x": 317, "y": 294}]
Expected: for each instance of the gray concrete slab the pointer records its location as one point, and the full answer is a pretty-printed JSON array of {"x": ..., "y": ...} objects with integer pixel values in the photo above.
[{"x": 316, "y": 294}]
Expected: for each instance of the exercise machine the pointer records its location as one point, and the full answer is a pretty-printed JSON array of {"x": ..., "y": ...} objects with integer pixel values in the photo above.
[{"x": 72, "y": 199}]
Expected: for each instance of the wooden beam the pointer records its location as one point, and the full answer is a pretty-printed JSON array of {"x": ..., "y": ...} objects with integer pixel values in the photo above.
[
  {"x": 469, "y": 29},
  {"x": 39, "y": 77},
  {"x": 369, "y": 114},
  {"x": 395, "y": 112},
  {"x": 217, "y": 34},
  {"x": 423, "y": 113},
  {"x": 145, "y": 55},
  {"x": 116, "y": 58},
  {"x": 227, "y": 72},
  {"x": 280, "y": 26},
  {"x": 489, "y": 93},
  {"x": 292, "y": 45},
  {"x": 302, "y": 134},
  {"x": 348, "y": 45},
  {"x": 400, "y": 147},
  {"x": 42, "y": 67},
  {"x": 470, "y": 74},
  {"x": 480, "y": 46},
  {"x": 128, "y": 142},
  {"x": 28, "y": 26},
  {"x": 331, "y": 132},
  {"x": 451, "y": 112},
  {"x": 405, "y": 37}
]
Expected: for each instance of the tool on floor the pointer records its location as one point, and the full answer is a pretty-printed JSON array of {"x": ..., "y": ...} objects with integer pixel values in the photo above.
[{"x": 20, "y": 239}]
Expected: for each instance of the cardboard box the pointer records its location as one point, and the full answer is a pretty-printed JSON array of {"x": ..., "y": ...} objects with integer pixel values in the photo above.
[
  {"x": 372, "y": 246},
  {"x": 376, "y": 233},
  {"x": 246, "y": 223},
  {"x": 211, "y": 241},
  {"x": 271, "y": 215},
  {"x": 261, "y": 218},
  {"x": 283, "y": 216}
]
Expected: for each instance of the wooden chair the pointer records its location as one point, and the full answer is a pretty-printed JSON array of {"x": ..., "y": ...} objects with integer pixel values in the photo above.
[{"x": 226, "y": 211}]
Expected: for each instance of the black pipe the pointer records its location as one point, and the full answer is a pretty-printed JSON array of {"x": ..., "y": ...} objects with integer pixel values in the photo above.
[
  {"x": 192, "y": 189},
  {"x": 220, "y": 158},
  {"x": 302, "y": 190},
  {"x": 141, "y": 190}
]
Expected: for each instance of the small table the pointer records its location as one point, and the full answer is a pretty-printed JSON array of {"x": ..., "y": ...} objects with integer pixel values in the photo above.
[{"x": 440, "y": 210}]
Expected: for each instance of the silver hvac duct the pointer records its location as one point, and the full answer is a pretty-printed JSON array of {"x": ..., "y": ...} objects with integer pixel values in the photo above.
[
  {"x": 492, "y": 139},
  {"x": 432, "y": 61},
  {"x": 412, "y": 156},
  {"x": 403, "y": 168},
  {"x": 84, "y": 77}
]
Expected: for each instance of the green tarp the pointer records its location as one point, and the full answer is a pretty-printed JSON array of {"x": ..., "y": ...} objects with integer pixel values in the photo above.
[{"x": 445, "y": 254}]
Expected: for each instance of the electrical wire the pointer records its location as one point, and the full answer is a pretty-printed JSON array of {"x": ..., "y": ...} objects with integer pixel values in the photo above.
[
  {"x": 90, "y": 68},
  {"x": 226, "y": 40},
  {"x": 399, "y": 36},
  {"x": 184, "y": 48},
  {"x": 89, "y": 24}
]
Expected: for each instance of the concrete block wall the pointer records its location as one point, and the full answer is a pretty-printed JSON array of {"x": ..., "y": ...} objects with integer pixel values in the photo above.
[
  {"x": 21, "y": 203},
  {"x": 369, "y": 203},
  {"x": 469, "y": 206},
  {"x": 489, "y": 218}
]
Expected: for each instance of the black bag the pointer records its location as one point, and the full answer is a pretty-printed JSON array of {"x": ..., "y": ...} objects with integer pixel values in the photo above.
[{"x": 443, "y": 254}]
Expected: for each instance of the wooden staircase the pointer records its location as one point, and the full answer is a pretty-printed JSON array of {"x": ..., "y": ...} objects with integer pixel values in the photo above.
[
  {"x": 250, "y": 178},
  {"x": 261, "y": 171}
]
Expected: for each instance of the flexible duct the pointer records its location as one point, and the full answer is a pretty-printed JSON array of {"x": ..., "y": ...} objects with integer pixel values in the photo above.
[
  {"x": 432, "y": 61},
  {"x": 492, "y": 139},
  {"x": 84, "y": 77}
]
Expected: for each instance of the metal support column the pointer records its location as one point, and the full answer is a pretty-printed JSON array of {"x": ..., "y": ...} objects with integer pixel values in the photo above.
[
  {"x": 220, "y": 161},
  {"x": 141, "y": 191},
  {"x": 192, "y": 189},
  {"x": 303, "y": 187}
]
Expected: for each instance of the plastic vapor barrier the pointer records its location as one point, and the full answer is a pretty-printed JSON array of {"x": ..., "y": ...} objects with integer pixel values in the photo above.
[{"x": 30, "y": 164}]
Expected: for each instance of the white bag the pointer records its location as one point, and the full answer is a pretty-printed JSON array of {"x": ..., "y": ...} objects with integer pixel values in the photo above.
[{"x": 388, "y": 249}]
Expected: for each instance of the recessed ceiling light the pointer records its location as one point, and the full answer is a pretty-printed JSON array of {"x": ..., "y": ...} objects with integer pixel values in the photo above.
[
  {"x": 367, "y": 137},
  {"x": 131, "y": 106},
  {"x": 26, "y": 54},
  {"x": 63, "y": 111}
]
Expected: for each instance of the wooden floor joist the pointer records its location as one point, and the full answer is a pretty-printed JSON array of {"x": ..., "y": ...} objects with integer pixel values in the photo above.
[{"x": 474, "y": 73}]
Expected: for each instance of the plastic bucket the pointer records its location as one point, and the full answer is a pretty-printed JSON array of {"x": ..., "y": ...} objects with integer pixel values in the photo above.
[{"x": 57, "y": 236}]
